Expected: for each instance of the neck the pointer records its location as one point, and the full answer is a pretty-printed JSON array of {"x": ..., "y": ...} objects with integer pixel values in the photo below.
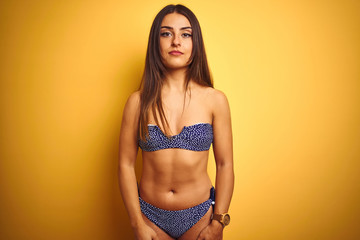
[{"x": 175, "y": 80}]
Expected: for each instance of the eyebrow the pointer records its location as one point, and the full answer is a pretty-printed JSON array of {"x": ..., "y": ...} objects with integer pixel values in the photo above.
[{"x": 168, "y": 27}]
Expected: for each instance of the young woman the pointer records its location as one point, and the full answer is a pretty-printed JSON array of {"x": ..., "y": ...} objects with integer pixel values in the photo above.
[{"x": 174, "y": 118}]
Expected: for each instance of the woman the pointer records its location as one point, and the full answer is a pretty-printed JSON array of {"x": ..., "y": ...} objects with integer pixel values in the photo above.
[{"x": 174, "y": 118}]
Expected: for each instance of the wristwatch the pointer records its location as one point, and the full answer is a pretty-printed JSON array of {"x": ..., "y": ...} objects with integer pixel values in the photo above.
[{"x": 224, "y": 218}]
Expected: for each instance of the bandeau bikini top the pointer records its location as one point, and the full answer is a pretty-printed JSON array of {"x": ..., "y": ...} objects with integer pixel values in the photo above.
[{"x": 197, "y": 137}]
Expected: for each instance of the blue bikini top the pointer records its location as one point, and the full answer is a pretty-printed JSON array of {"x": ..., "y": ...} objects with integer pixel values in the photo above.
[{"x": 197, "y": 137}]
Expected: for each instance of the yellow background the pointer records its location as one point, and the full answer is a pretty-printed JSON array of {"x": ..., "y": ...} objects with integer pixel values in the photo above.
[{"x": 290, "y": 70}]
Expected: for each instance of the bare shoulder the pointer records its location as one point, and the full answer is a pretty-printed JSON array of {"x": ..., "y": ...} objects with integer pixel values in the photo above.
[
  {"x": 134, "y": 98},
  {"x": 132, "y": 105},
  {"x": 217, "y": 98},
  {"x": 211, "y": 92}
]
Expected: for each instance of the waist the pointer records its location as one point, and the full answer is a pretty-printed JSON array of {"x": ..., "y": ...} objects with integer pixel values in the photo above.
[{"x": 175, "y": 195}]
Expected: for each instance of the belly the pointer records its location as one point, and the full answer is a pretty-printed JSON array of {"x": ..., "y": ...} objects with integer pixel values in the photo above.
[{"x": 175, "y": 179}]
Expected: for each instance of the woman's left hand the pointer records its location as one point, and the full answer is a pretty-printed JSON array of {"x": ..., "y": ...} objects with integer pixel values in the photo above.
[{"x": 213, "y": 231}]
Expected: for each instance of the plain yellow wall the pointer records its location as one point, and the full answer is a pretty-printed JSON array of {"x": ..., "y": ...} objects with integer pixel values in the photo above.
[{"x": 290, "y": 70}]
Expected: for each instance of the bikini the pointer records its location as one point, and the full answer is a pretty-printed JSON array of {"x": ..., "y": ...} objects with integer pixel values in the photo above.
[{"x": 197, "y": 137}]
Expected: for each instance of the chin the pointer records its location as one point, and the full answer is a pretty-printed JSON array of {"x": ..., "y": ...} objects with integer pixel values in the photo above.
[
  {"x": 173, "y": 63},
  {"x": 176, "y": 65}
]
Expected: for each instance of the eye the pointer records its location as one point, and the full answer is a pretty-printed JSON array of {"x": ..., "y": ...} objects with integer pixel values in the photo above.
[
  {"x": 186, "y": 35},
  {"x": 165, "y": 34}
]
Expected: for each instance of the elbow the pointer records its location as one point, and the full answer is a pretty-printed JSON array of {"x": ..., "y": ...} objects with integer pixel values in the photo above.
[
  {"x": 225, "y": 165},
  {"x": 226, "y": 169},
  {"x": 125, "y": 165}
]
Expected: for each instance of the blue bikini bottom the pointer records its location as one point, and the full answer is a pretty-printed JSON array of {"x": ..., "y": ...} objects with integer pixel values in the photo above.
[{"x": 176, "y": 223}]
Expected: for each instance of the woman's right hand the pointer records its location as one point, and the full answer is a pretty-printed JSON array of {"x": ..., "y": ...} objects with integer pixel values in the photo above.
[{"x": 145, "y": 233}]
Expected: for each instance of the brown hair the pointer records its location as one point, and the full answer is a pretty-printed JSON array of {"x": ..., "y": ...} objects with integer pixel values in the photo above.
[{"x": 155, "y": 71}]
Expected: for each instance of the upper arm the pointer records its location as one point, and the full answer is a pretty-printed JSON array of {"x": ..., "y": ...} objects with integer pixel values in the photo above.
[
  {"x": 128, "y": 142},
  {"x": 222, "y": 144}
]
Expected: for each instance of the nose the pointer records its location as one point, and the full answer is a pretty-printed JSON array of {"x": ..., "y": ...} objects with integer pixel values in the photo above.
[{"x": 176, "y": 41}]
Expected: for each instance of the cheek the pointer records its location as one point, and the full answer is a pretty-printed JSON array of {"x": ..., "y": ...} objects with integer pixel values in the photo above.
[
  {"x": 161, "y": 46},
  {"x": 162, "y": 49},
  {"x": 189, "y": 44},
  {"x": 190, "y": 47}
]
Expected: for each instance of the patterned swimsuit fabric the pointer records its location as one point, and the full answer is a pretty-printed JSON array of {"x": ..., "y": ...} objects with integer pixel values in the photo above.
[
  {"x": 176, "y": 223},
  {"x": 197, "y": 137}
]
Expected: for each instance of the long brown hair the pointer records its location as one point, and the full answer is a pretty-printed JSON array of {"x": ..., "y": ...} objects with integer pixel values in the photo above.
[{"x": 155, "y": 71}]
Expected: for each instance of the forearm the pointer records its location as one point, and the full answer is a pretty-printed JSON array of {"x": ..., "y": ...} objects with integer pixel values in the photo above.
[
  {"x": 129, "y": 193},
  {"x": 224, "y": 186}
]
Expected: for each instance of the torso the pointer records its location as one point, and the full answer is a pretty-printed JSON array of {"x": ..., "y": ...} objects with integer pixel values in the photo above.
[{"x": 176, "y": 178}]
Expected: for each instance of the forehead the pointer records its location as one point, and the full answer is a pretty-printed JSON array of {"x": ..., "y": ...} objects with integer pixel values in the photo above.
[{"x": 176, "y": 21}]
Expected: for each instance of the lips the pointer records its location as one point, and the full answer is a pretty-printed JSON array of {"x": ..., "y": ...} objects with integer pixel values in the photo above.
[{"x": 176, "y": 53}]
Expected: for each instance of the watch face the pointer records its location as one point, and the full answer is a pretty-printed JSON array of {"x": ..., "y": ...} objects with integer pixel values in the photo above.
[{"x": 226, "y": 219}]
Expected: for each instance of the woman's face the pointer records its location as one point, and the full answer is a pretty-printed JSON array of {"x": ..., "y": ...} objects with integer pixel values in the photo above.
[{"x": 175, "y": 41}]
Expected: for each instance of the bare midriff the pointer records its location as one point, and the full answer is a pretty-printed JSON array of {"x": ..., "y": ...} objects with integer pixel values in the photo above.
[{"x": 175, "y": 179}]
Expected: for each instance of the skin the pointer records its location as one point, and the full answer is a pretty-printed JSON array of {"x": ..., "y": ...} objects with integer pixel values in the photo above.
[{"x": 175, "y": 179}]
